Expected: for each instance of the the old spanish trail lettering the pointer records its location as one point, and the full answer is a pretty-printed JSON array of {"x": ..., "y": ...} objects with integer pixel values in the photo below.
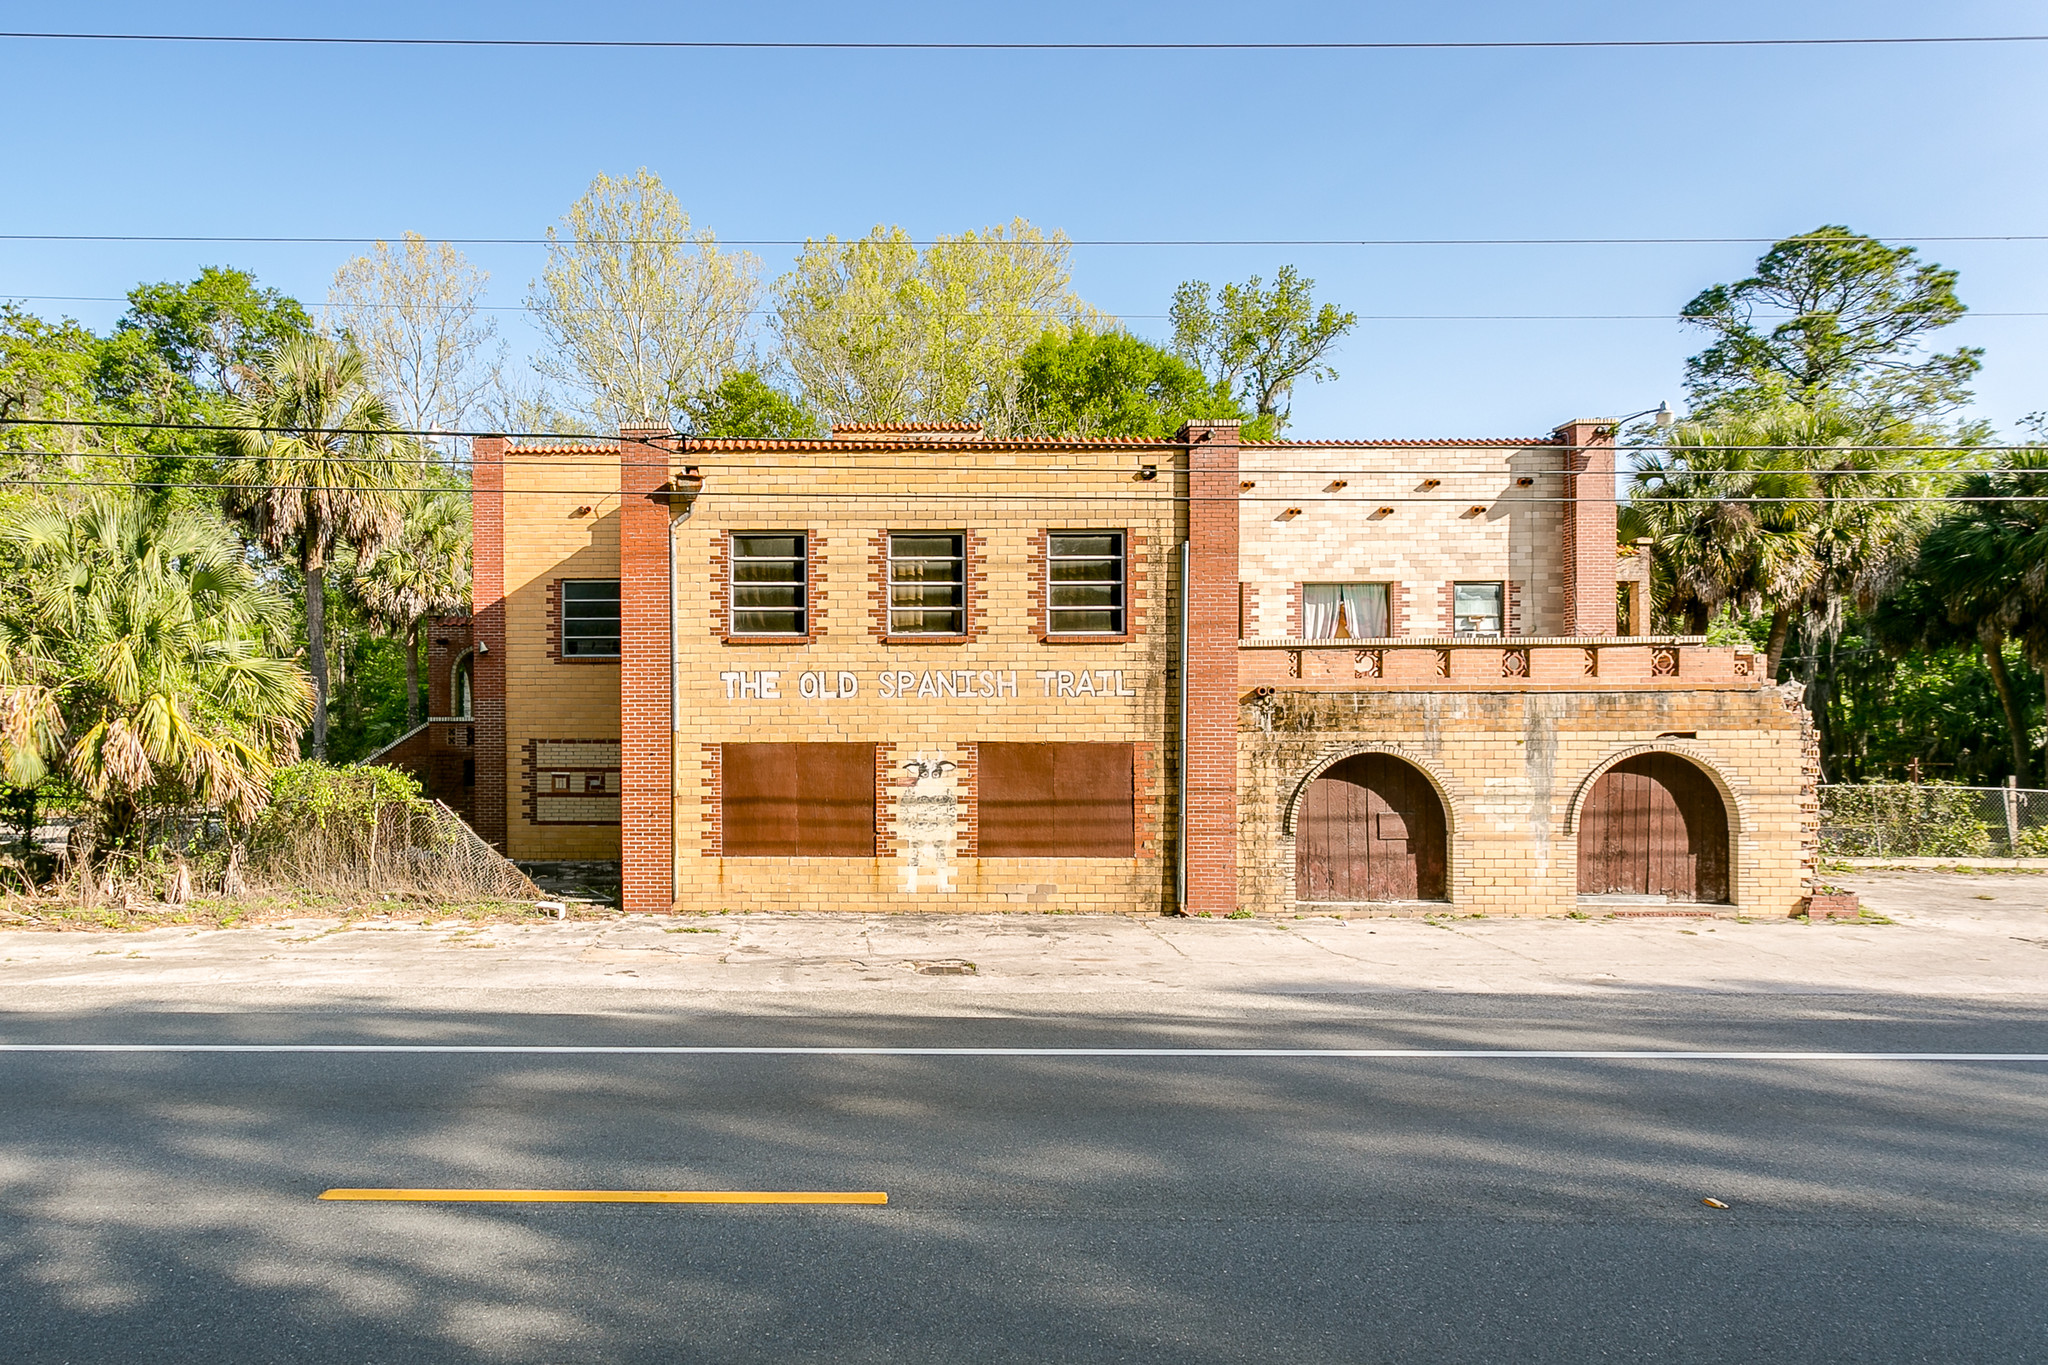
[{"x": 931, "y": 684}]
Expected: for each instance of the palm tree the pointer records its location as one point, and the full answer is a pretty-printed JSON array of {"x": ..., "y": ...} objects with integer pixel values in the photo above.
[
  {"x": 1986, "y": 564},
  {"x": 139, "y": 657},
  {"x": 422, "y": 573},
  {"x": 1794, "y": 511},
  {"x": 318, "y": 468}
]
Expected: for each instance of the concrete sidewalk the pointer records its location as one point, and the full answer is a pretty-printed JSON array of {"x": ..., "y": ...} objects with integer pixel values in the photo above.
[{"x": 1951, "y": 936}]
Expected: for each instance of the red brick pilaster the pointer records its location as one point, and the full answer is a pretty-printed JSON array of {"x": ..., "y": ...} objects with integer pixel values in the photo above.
[
  {"x": 646, "y": 725},
  {"x": 1589, "y": 535},
  {"x": 1209, "y": 767},
  {"x": 487, "y": 598}
]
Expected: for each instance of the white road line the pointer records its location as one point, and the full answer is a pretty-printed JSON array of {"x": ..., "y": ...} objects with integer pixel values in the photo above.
[{"x": 1171, "y": 1053}]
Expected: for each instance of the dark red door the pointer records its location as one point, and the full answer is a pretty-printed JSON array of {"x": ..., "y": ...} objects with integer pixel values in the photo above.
[
  {"x": 1654, "y": 826},
  {"x": 1369, "y": 829}
]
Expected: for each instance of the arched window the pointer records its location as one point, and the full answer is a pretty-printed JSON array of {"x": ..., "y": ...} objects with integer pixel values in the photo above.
[{"x": 461, "y": 688}]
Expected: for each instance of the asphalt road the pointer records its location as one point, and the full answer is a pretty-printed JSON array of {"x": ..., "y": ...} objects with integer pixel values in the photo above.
[{"x": 161, "y": 1207}]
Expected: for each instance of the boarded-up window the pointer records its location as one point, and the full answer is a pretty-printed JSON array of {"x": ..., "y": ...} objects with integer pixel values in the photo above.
[
  {"x": 1056, "y": 801},
  {"x": 798, "y": 800}
]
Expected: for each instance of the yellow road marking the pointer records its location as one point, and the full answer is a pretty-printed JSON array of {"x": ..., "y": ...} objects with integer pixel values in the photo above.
[{"x": 618, "y": 1196}]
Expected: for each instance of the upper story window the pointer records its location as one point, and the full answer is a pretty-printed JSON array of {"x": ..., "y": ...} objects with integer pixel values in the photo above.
[
  {"x": 590, "y": 618},
  {"x": 769, "y": 594},
  {"x": 1476, "y": 608},
  {"x": 927, "y": 583},
  {"x": 1084, "y": 583},
  {"x": 1343, "y": 611}
]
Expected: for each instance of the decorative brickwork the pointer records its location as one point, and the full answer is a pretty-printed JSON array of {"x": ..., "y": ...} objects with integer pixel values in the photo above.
[
  {"x": 887, "y": 778},
  {"x": 1399, "y": 619},
  {"x": 1247, "y": 611},
  {"x": 571, "y": 782},
  {"x": 711, "y": 800},
  {"x": 1512, "y": 625},
  {"x": 970, "y": 800},
  {"x": 1146, "y": 792}
]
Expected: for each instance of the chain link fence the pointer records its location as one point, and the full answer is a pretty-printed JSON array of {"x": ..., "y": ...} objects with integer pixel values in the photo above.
[{"x": 1932, "y": 820}]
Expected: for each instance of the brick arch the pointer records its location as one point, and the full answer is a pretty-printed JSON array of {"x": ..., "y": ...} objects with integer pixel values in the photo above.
[
  {"x": 1734, "y": 800},
  {"x": 1330, "y": 758}
]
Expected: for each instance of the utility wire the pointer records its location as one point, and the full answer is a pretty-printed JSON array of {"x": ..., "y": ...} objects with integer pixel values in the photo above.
[
  {"x": 1017, "y": 313},
  {"x": 886, "y": 45},
  {"x": 955, "y": 498},
  {"x": 1007, "y": 244},
  {"x": 912, "y": 443}
]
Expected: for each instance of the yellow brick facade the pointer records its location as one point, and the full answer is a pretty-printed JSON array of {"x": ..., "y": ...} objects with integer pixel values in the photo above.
[
  {"x": 1005, "y": 500},
  {"x": 551, "y": 535},
  {"x": 1421, "y": 517},
  {"x": 1513, "y": 769}
]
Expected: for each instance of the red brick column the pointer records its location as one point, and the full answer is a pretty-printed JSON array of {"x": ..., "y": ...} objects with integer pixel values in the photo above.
[
  {"x": 1209, "y": 779},
  {"x": 487, "y": 624},
  {"x": 646, "y": 723},
  {"x": 1590, "y": 537}
]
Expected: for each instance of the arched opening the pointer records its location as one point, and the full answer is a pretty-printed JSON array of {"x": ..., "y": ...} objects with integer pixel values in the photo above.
[
  {"x": 461, "y": 686},
  {"x": 1654, "y": 825},
  {"x": 1370, "y": 828}
]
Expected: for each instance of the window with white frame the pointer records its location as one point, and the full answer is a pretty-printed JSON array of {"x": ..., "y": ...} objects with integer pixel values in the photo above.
[
  {"x": 1343, "y": 611},
  {"x": 768, "y": 583},
  {"x": 1084, "y": 583},
  {"x": 590, "y": 618},
  {"x": 1476, "y": 608},
  {"x": 927, "y": 583}
]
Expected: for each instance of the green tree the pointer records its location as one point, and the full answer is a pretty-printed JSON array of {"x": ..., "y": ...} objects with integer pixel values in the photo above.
[
  {"x": 316, "y": 468},
  {"x": 875, "y": 330},
  {"x": 1831, "y": 317},
  {"x": 745, "y": 404},
  {"x": 1986, "y": 564},
  {"x": 217, "y": 330},
  {"x": 421, "y": 572},
  {"x": 1794, "y": 512},
  {"x": 1256, "y": 343},
  {"x": 1088, "y": 384},
  {"x": 46, "y": 372},
  {"x": 138, "y": 659}
]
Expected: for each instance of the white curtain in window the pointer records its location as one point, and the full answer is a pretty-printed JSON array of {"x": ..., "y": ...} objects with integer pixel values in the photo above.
[
  {"x": 1319, "y": 607},
  {"x": 1365, "y": 610}
]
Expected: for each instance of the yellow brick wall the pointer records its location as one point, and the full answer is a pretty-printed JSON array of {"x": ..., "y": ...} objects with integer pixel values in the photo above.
[
  {"x": 549, "y": 537},
  {"x": 846, "y": 500},
  {"x": 1429, "y": 539},
  {"x": 1510, "y": 765}
]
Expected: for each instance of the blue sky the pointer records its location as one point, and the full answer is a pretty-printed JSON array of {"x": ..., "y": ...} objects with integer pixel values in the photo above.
[{"x": 1893, "y": 141}]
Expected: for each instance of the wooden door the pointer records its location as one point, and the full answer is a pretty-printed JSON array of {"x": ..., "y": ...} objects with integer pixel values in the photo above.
[
  {"x": 1369, "y": 829},
  {"x": 1654, "y": 826}
]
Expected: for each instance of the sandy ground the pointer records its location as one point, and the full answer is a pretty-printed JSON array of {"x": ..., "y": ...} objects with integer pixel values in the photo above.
[{"x": 1949, "y": 935}]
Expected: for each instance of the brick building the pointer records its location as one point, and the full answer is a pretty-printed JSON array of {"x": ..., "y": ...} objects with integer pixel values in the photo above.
[
  {"x": 441, "y": 750},
  {"x": 914, "y": 667}
]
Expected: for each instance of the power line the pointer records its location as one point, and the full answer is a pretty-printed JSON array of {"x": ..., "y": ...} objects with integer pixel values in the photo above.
[
  {"x": 1141, "y": 317},
  {"x": 955, "y": 498},
  {"x": 886, "y": 45},
  {"x": 995, "y": 243}
]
